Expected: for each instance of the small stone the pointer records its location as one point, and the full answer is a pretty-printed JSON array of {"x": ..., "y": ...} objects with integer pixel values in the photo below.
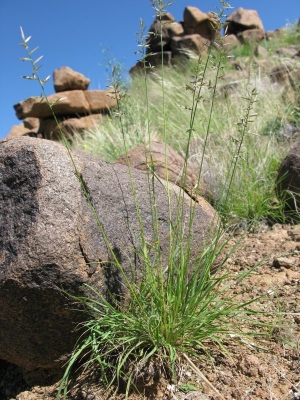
[
  {"x": 283, "y": 262},
  {"x": 294, "y": 233}
]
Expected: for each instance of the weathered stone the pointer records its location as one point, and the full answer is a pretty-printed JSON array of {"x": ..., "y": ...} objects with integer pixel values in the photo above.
[
  {"x": 251, "y": 35},
  {"x": 260, "y": 51},
  {"x": 165, "y": 17},
  {"x": 31, "y": 123},
  {"x": 230, "y": 42},
  {"x": 100, "y": 101},
  {"x": 280, "y": 74},
  {"x": 199, "y": 158},
  {"x": 65, "y": 79},
  {"x": 294, "y": 77},
  {"x": 49, "y": 130},
  {"x": 194, "y": 43},
  {"x": 17, "y": 130},
  {"x": 161, "y": 33},
  {"x": 50, "y": 240},
  {"x": 166, "y": 160},
  {"x": 273, "y": 34},
  {"x": 288, "y": 179},
  {"x": 81, "y": 124},
  {"x": 297, "y": 55},
  {"x": 192, "y": 16},
  {"x": 241, "y": 20},
  {"x": 153, "y": 59},
  {"x": 204, "y": 24},
  {"x": 137, "y": 68},
  {"x": 263, "y": 65},
  {"x": 71, "y": 102},
  {"x": 287, "y": 51},
  {"x": 175, "y": 29},
  {"x": 294, "y": 233},
  {"x": 27, "y": 126},
  {"x": 67, "y": 103},
  {"x": 159, "y": 59},
  {"x": 283, "y": 262}
]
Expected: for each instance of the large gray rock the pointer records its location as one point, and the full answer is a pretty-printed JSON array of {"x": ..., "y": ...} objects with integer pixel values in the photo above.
[{"x": 49, "y": 240}]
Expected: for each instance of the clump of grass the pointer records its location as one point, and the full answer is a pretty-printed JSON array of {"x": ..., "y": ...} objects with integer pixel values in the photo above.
[
  {"x": 172, "y": 314},
  {"x": 179, "y": 308}
]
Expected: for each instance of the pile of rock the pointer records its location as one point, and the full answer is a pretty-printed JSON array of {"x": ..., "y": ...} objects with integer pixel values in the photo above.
[
  {"x": 243, "y": 26},
  {"x": 169, "y": 39},
  {"x": 75, "y": 107}
]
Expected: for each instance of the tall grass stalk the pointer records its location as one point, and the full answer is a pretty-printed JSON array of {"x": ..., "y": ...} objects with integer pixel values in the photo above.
[{"x": 179, "y": 308}]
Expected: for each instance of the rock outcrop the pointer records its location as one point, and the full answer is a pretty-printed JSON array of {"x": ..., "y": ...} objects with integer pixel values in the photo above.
[
  {"x": 76, "y": 108},
  {"x": 50, "y": 241},
  {"x": 168, "y": 39}
]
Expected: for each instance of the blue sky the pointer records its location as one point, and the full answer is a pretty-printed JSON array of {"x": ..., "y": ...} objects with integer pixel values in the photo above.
[{"x": 70, "y": 33}]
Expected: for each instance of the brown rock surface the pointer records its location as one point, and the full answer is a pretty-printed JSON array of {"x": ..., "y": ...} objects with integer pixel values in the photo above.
[
  {"x": 17, "y": 130},
  {"x": 27, "y": 126},
  {"x": 80, "y": 124},
  {"x": 50, "y": 130},
  {"x": 288, "y": 51},
  {"x": 231, "y": 41},
  {"x": 194, "y": 43},
  {"x": 70, "y": 102},
  {"x": 251, "y": 35},
  {"x": 270, "y": 35},
  {"x": 242, "y": 19},
  {"x": 31, "y": 123},
  {"x": 280, "y": 74},
  {"x": 175, "y": 29},
  {"x": 153, "y": 59},
  {"x": 65, "y": 79},
  {"x": 196, "y": 21},
  {"x": 159, "y": 154},
  {"x": 159, "y": 35},
  {"x": 100, "y": 100},
  {"x": 50, "y": 240},
  {"x": 67, "y": 103}
]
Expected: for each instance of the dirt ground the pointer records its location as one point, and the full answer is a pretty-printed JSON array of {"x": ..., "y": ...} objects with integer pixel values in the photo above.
[{"x": 268, "y": 369}]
